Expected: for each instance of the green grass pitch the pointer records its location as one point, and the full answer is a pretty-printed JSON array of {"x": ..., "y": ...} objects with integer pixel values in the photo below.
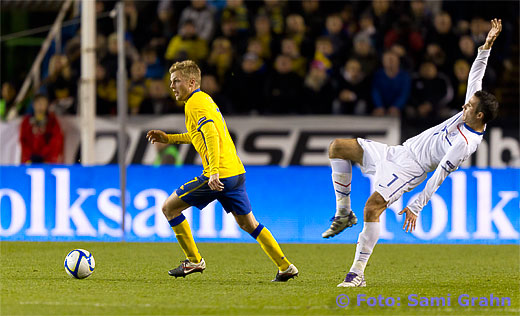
[{"x": 132, "y": 279}]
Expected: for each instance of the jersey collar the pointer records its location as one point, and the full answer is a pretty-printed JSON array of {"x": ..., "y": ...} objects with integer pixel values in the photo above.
[
  {"x": 472, "y": 130},
  {"x": 192, "y": 94}
]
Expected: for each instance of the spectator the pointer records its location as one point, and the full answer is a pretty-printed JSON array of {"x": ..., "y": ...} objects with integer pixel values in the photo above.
[
  {"x": 154, "y": 65},
  {"x": 318, "y": 91},
  {"x": 478, "y": 29},
  {"x": 60, "y": 86},
  {"x": 437, "y": 55},
  {"x": 430, "y": 95},
  {"x": 324, "y": 52},
  {"x": 158, "y": 100},
  {"x": 221, "y": 58},
  {"x": 246, "y": 85},
  {"x": 442, "y": 34},
  {"x": 460, "y": 84},
  {"x": 466, "y": 48},
  {"x": 7, "y": 100},
  {"x": 106, "y": 92},
  {"x": 283, "y": 88},
  {"x": 367, "y": 28},
  {"x": 238, "y": 11},
  {"x": 334, "y": 31},
  {"x": 390, "y": 87},
  {"x": 403, "y": 33},
  {"x": 299, "y": 62},
  {"x": 210, "y": 85},
  {"x": 383, "y": 15},
  {"x": 274, "y": 11},
  {"x": 364, "y": 52},
  {"x": 313, "y": 16},
  {"x": 352, "y": 90},
  {"x": 136, "y": 86},
  {"x": 203, "y": 18},
  {"x": 229, "y": 30},
  {"x": 264, "y": 34},
  {"x": 110, "y": 61},
  {"x": 187, "y": 45},
  {"x": 420, "y": 17},
  {"x": 297, "y": 30},
  {"x": 41, "y": 137}
]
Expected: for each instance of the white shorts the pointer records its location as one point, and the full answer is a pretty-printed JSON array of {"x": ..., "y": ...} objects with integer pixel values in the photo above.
[{"x": 394, "y": 168}]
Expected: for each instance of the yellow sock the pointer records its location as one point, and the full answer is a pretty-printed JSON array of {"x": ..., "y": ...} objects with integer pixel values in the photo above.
[
  {"x": 183, "y": 233},
  {"x": 271, "y": 247}
]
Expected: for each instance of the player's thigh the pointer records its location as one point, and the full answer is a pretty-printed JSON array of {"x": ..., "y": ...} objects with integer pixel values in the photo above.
[
  {"x": 348, "y": 149},
  {"x": 173, "y": 206}
]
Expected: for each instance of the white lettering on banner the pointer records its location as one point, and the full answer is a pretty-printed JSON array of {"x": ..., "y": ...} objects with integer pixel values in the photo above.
[
  {"x": 37, "y": 221},
  {"x": 160, "y": 226},
  {"x": 207, "y": 222},
  {"x": 486, "y": 215},
  {"x": 65, "y": 212},
  {"x": 458, "y": 206},
  {"x": 18, "y": 212},
  {"x": 499, "y": 144},
  {"x": 439, "y": 218},
  {"x": 229, "y": 226},
  {"x": 113, "y": 212}
]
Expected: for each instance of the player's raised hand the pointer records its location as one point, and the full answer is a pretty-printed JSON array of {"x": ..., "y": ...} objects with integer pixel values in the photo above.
[
  {"x": 496, "y": 28},
  {"x": 156, "y": 135},
  {"x": 409, "y": 221}
]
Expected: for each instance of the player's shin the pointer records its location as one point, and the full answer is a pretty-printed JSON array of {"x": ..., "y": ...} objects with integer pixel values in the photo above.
[
  {"x": 271, "y": 247},
  {"x": 183, "y": 233},
  {"x": 341, "y": 179},
  {"x": 366, "y": 242}
]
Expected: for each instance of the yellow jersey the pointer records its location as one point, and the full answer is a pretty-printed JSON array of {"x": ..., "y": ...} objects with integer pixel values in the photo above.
[{"x": 208, "y": 133}]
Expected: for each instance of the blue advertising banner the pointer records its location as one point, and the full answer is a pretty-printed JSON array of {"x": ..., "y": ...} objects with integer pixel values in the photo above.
[{"x": 65, "y": 203}]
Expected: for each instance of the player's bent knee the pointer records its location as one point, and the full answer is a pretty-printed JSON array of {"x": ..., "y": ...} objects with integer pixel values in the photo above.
[
  {"x": 374, "y": 207},
  {"x": 334, "y": 149},
  {"x": 171, "y": 209}
]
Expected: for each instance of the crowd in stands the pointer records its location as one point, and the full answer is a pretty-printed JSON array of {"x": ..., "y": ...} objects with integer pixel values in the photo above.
[{"x": 400, "y": 58}]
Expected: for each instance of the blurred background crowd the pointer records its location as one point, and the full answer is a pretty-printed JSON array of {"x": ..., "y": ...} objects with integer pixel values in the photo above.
[{"x": 401, "y": 58}]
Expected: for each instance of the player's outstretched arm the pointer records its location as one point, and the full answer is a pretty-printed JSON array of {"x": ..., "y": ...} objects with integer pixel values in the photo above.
[
  {"x": 496, "y": 28},
  {"x": 478, "y": 68},
  {"x": 157, "y": 136}
]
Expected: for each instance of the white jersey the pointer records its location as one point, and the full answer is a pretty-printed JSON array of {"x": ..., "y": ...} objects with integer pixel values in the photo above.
[{"x": 444, "y": 147}]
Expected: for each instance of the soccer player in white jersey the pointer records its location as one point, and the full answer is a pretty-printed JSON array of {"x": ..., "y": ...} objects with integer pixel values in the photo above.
[{"x": 399, "y": 169}]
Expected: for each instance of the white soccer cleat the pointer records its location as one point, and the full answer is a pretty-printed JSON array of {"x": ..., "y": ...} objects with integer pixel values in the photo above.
[
  {"x": 339, "y": 224},
  {"x": 188, "y": 267},
  {"x": 284, "y": 276},
  {"x": 353, "y": 280}
]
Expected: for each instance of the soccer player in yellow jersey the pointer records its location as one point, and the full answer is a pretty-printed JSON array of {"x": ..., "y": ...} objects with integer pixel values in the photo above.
[{"x": 223, "y": 178}]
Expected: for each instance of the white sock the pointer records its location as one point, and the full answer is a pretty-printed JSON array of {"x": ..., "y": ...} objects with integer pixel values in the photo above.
[
  {"x": 366, "y": 242},
  {"x": 341, "y": 178}
]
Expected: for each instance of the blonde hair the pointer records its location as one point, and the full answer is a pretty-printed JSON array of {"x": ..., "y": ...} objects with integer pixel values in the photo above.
[{"x": 188, "y": 69}]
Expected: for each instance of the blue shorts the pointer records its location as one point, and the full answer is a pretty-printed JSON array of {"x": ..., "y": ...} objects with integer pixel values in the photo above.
[{"x": 233, "y": 198}]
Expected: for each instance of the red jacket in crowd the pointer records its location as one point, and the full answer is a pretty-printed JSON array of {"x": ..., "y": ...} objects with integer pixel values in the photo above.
[{"x": 41, "y": 141}]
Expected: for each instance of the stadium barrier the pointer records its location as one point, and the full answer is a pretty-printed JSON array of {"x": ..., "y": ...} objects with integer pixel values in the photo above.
[
  {"x": 69, "y": 203},
  {"x": 260, "y": 140}
]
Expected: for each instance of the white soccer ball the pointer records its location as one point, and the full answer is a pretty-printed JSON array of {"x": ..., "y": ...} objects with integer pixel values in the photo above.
[{"x": 79, "y": 263}]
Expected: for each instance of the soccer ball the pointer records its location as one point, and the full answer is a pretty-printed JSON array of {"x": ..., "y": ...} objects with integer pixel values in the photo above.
[{"x": 79, "y": 263}]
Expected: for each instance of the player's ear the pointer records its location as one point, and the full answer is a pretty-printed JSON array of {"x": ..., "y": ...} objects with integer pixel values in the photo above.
[{"x": 480, "y": 115}]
